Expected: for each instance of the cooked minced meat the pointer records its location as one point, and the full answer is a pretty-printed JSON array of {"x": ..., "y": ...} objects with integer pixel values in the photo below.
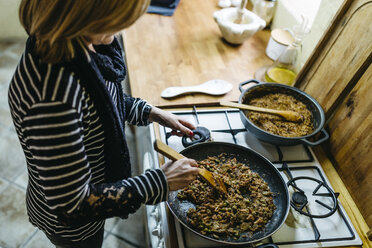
[
  {"x": 276, "y": 124},
  {"x": 247, "y": 207}
]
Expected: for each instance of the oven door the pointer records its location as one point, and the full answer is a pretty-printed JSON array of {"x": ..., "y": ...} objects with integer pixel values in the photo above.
[{"x": 157, "y": 232}]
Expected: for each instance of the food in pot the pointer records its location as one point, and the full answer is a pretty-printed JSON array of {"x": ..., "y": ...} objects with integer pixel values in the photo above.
[
  {"x": 276, "y": 124},
  {"x": 246, "y": 208}
]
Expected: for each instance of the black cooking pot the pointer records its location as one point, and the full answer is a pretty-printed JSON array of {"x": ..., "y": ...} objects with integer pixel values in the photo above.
[
  {"x": 258, "y": 164},
  {"x": 261, "y": 89}
]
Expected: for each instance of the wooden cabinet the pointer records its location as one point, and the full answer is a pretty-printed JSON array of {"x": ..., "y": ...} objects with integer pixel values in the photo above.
[{"x": 339, "y": 75}]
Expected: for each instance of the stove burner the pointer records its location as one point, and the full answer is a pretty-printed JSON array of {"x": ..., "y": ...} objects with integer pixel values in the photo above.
[
  {"x": 299, "y": 198},
  {"x": 201, "y": 134}
]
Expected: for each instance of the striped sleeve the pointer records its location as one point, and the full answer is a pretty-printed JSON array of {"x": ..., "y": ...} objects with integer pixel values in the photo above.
[
  {"x": 137, "y": 110},
  {"x": 121, "y": 198},
  {"x": 54, "y": 137},
  {"x": 152, "y": 186}
]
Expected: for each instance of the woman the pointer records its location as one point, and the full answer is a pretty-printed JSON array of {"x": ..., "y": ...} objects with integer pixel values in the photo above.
[{"x": 69, "y": 111}]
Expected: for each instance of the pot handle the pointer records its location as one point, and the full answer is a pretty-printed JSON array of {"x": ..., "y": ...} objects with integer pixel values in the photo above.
[
  {"x": 247, "y": 82},
  {"x": 309, "y": 143},
  {"x": 267, "y": 245}
]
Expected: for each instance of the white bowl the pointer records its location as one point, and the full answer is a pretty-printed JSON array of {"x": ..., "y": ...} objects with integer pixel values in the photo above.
[{"x": 237, "y": 33}]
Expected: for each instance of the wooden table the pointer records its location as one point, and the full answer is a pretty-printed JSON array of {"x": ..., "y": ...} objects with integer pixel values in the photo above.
[{"x": 188, "y": 49}]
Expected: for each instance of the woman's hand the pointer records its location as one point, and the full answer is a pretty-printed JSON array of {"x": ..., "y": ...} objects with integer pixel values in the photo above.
[
  {"x": 180, "y": 173},
  {"x": 179, "y": 125}
]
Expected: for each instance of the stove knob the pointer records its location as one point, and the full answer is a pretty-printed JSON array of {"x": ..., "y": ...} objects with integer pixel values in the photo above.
[
  {"x": 156, "y": 214},
  {"x": 161, "y": 244},
  {"x": 157, "y": 231}
]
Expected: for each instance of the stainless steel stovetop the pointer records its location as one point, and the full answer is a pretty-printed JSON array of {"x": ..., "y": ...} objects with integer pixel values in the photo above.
[{"x": 296, "y": 163}]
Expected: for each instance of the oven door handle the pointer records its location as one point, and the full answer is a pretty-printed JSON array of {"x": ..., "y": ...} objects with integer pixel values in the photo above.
[
  {"x": 267, "y": 245},
  {"x": 147, "y": 161}
]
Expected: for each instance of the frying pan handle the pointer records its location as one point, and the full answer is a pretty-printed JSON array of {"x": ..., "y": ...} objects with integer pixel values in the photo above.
[
  {"x": 309, "y": 143},
  {"x": 167, "y": 151},
  {"x": 186, "y": 142},
  {"x": 247, "y": 82},
  {"x": 267, "y": 245},
  {"x": 201, "y": 134}
]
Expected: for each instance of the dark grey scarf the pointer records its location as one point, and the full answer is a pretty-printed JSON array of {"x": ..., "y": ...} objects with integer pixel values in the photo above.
[{"x": 106, "y": 64}]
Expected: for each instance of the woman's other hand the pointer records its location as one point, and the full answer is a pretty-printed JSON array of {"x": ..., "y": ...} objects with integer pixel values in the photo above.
[
  {"x": 179, "y": 125},
  {"x": 180, "y": 173}
]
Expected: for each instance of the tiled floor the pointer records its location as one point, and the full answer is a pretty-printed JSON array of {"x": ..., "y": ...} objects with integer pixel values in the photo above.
[{"x": 15, "y": 230}]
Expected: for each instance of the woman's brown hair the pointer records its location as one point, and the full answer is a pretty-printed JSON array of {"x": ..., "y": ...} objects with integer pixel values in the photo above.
[{"x": 58, "y": 24}]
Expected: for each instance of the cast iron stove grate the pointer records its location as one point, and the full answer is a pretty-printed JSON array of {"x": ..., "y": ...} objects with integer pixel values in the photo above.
[{"x": 298, "y": 202}]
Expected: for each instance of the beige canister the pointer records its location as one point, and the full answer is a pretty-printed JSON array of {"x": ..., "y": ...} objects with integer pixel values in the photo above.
[{"x": 278, "y": 42}]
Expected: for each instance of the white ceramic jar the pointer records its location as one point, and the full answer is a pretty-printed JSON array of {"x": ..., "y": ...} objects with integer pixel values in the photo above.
[{"x": 280, "y": 39}]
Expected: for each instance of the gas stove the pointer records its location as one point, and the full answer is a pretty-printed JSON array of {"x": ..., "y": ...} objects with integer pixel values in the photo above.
[{"x": 316, "y": 218}]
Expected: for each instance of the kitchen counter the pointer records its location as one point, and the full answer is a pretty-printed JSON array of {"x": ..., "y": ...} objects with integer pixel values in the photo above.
[{"x": 188, "y": 49}]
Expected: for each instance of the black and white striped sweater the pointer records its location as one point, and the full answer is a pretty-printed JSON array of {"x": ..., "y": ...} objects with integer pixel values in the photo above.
[{"x": 62, "y": 137}]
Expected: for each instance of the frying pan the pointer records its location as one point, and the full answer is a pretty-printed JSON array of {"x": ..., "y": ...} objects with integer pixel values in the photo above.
[{"x": 257, "y": 163}]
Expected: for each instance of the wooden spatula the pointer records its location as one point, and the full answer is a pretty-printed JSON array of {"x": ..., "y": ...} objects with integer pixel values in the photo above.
[
  {"x": 170, "y": 153},
  {"x": 286, "y": 114}
]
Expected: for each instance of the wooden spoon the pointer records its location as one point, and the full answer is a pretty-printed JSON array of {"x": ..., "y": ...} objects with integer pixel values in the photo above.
[
  {"x": 170, "y": 153},
  {"x": 286, "y": 114}
]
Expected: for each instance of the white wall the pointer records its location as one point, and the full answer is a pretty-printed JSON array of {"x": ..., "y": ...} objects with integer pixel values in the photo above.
[
  {"x": 289, "y": 12},
  {"x": 319, "y": 12},
  {"x": 11, "y": 28},
  {"x": 324, "y": 16}
]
